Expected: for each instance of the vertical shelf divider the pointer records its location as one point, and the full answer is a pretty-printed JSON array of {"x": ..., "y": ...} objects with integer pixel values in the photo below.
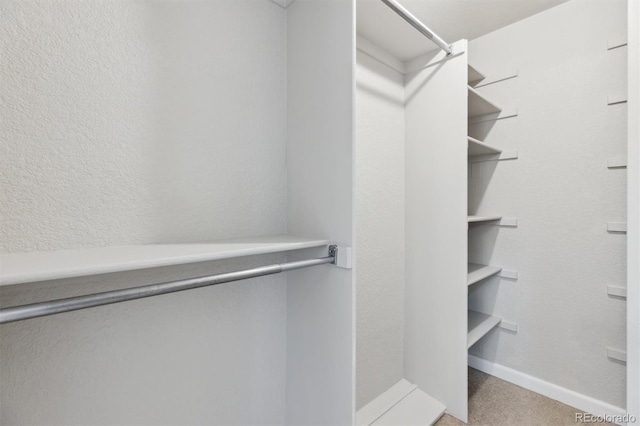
[{"x": 436, "y": 212}]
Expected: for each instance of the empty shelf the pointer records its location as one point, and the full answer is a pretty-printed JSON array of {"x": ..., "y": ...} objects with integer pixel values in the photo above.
[
  {"x": 480, "y": 148},
  {"x": 473, "y": 76},
  {"x": 479, "y": 105},
  {"x": 417, "y": 408},
  {"x": 475, "y": 219},
  {"x": 479, "y": 325},
  {"x": 20, "y": 268},
  {"x": 477, "y": 272}
]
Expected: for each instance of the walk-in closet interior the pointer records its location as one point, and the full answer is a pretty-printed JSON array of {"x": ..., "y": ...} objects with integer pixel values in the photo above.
[
  {"x": 490, "y": 204},
  {"x": 315, "y": 212}
]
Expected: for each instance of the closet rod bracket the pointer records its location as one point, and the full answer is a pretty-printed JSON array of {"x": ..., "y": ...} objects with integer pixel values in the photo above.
[
  {"x": 333, "y": 252},
  {"x": 341, "y": 256}
]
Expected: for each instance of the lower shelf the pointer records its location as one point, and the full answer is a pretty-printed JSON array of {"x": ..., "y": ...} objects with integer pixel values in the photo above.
[
  {"x": 475, "y": 147},
  {"x": 479, "y": 325},
  {"x": 402, "y": 404}
]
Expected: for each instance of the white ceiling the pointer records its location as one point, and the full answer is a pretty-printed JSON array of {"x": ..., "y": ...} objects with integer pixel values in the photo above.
[{"x": 450, "y": 19}]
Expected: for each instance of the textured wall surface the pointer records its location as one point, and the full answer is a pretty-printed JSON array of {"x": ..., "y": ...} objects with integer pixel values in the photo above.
[
  {"x": 562, "y": 194},
  {"x": 379, "y": 228},
  {"x": 135, "y": 122},
  {"x": 633, "y": 210},
  {"x": 140, "y": 121}
]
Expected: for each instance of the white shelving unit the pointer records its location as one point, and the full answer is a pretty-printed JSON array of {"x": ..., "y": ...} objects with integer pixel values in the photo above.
[
  {"x": 478, "y": 105},
  {"x": 18, "y": 268},
  {"x": 477, "y": 272},
  {"x": 437, "y": 248},
  {"x": 479, "y": 325}
]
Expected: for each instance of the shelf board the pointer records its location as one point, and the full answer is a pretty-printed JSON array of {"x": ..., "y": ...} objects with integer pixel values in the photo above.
[
  {"x": 480, "y": 148},
  {"x": 476, "y": 219},
  {"x": 479, "y": 325},
  {"x": 479, "y": 105},
  {"x": 20, "y": 268},
  {"x": 417, "y": 408},
  {"x": 477, "y": 272},
  {"x": 473, "y": 76}
]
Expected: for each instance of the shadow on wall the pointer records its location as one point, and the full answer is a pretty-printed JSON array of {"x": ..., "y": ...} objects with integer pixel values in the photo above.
[
  {"x": 481, "y": 242},
  {"x": 217, "y": 155},
  {"x": 432, "y": 72},
  {"x": 479, "y": 179},
  {"x": 482, "y": 129},
  {"x": 382, "y": 71}
]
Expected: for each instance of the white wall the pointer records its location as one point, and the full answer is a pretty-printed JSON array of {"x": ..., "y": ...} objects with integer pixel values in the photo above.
[
  {"x": 141, "y": 121},
  {"x": 379, "y": 227},
  {"x": 562, "y": 194},
  {"x": 320, "y": 311},
  {"x": 135, "y": 122},
  {"x": 633, "y": 211}
]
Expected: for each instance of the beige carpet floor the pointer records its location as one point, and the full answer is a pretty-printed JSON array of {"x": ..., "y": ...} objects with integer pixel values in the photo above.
[{"x": 494, "y": 402}]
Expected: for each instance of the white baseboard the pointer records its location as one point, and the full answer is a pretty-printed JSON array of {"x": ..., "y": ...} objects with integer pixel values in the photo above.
[{"x": 558, "y": 393}]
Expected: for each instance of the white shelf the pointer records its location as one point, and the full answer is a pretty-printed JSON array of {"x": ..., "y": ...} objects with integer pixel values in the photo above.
[
  {"x": 417, "y": 408},
  {"x": 480, "y": 148},
  {"x": 479, "y": 105},
  {"x": 20, "y": 268},
  {"x": 473, "y": 76},
  {"x": 401, "y": 404},
  {"x": 479, "y": 325},
  {"x": 476, "y": 219},
  {"x": 477, "y": 272}
]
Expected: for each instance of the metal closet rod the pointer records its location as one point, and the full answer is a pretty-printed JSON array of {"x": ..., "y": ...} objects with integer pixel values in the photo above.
[
  {"x": 18, "y": 313},
  {"x": 415, "y": 23}
]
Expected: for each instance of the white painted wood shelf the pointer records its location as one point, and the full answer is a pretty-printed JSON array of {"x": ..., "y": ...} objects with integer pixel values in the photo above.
[
  {"x": 18, "y": 268},
  {"x": 418, "y": 408},
  {"x": 479, "y": 105},
  {"x": 479, "y": 325},
  {"x": 477, "y": 272},
  {"x": 473, "y": 76},
  {"x": 479, "y": 219},
  {"x": 476, "y": 148},
  {"x": 401, "y": 404}
]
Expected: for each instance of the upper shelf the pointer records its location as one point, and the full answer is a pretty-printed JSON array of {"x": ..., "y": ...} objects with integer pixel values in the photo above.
[
  {"x": 20, "y": 268},
  {"x": 480, "y": 148},
  {"x": 479, "y": 105},
  {"x": 474, "y": 76},
  {"x": 475, "y": 219}
]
